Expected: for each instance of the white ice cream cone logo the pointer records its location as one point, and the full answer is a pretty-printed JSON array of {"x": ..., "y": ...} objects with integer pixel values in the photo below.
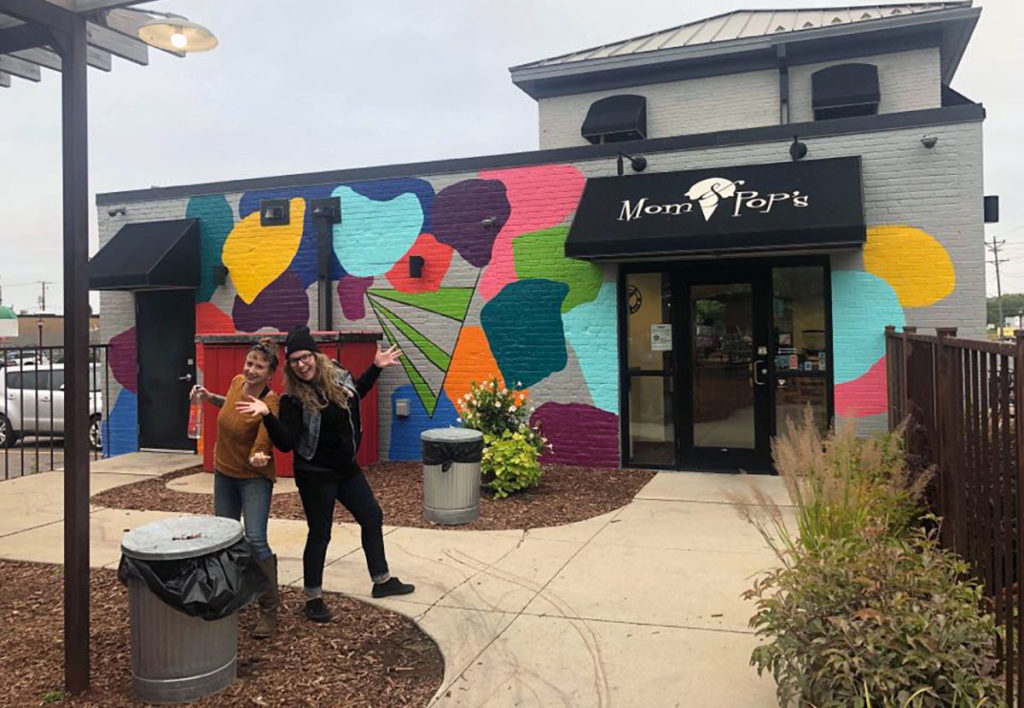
[{"x": 709, "y": 192}]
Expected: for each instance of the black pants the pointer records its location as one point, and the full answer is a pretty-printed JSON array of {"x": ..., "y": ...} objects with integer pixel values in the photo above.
[{"x": 318, "y": 493}]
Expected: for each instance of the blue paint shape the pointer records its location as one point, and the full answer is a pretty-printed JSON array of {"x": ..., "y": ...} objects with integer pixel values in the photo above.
[
  {"x": 215, "y": 223},
  {"x": 373, "y": 235},
  {"x": 523, "y": 325},
  {"x": 405, "y": 432},
  {"x": 862, "y": 305},
  {"x": 384, "y": 190},
  {"x": 590, "y": 329},
  {"x": 121, "y": 429},
  {"x": 304, "y": 264}
]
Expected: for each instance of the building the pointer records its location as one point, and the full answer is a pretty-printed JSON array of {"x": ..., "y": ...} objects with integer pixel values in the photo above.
[
  {"x": 722, "y": 218},
  {"x": 40, "y": 330}
]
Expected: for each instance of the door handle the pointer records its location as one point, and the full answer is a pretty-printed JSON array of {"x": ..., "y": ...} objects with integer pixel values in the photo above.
[
  {"x": 186, "y": 377},
  {"x": 760, "y": 367}
]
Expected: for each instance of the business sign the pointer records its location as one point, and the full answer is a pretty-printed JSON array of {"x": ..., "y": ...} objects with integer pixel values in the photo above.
[{"x": 789, "y": 205}]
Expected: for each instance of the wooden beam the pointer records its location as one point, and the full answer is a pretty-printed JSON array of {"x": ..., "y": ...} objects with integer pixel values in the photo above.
[
  {"x": 81, "y": 6},
  {"x": 42, "y": 57},
  {"x": 128, "y": 22},
  {"x": 24, "y": 36},
  {"x": 118, "y": 44},
  {"x": 98, "y": 59},
  {"x": 41, "y": 13},
  {"x": 5, "y": 79},
  {"x": 20, "y": 67}
]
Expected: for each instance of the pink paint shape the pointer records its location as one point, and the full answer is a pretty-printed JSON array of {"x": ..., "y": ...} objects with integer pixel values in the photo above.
[
  {"x": 124, "y": 360},
  {"x": 863, "y": 396},
  {"x": 351, "y": 294},
  {"x": 540, "y": 197},
  {"x": 580, "y": 434}
]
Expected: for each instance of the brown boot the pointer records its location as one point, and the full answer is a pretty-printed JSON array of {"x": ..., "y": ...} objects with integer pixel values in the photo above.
[{"x": 269, "y": 602}]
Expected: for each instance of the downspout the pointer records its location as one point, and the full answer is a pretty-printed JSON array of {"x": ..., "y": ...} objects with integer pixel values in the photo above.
[
  {"x": 326, "y": 213},
  {"x": 780, "y": 56}
]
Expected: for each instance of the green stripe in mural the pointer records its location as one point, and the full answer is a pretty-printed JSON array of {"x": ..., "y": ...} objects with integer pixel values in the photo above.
[
  {"x": 419, "y": 384},
  {"x": 450, "y": 302},
  {"x": 435, "y": 355}
]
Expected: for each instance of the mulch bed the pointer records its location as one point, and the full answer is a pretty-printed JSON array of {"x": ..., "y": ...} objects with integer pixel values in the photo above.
[
  {"x": 365, "y": 656},
  {"x": 565, "y": 494}
]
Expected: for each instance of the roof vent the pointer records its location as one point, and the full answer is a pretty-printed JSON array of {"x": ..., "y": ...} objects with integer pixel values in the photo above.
[
  {"x": 895, "y": 11},
  {"x": 807, "y": 25},
  {"x": 780, "y": 28},
  {"x": 837, "y": 21},
  {"x": 615, "y": 119},
  {"x": 865, "y": 16},
  {"x": 845, "y": 90}
]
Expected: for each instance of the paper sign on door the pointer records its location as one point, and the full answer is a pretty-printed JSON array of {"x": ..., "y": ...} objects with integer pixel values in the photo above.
[{"x": 661, "y": 337}]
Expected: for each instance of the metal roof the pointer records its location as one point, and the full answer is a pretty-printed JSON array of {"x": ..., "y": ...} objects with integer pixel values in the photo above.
[
  {"x": 748, "y": 24},
  {"x": 112, "y": 30}
]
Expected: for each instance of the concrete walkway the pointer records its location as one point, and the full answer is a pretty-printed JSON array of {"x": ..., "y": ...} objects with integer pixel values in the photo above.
[{"x": 639, "y": 607}]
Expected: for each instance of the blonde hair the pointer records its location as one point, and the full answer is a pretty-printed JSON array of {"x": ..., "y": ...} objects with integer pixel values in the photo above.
[
  {"x": 324, "y": 388},
  {"x": 268, "y": 350}
]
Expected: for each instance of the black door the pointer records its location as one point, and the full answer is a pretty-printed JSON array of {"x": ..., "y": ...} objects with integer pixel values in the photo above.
[{"x": 165, "y": 328}]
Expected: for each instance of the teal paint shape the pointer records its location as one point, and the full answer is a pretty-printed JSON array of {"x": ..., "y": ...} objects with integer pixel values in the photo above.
[
  {"x": 590, "y": 329},
  {"x": 862, "y": 305},
  {"x": 523, "y": 325},
  {"x": 373, "y": 235},
  {"x": 216, "y": 219}
]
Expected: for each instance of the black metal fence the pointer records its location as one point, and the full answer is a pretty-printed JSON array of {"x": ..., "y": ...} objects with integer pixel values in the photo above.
[
  {"x": 961, "y": 399},
  {"x": 32, "y": 407}
]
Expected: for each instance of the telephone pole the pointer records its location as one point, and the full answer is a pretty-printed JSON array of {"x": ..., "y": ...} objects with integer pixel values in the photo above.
[
  {"x": 42, "y": 296},
  {"x": 996, "y": 261}
]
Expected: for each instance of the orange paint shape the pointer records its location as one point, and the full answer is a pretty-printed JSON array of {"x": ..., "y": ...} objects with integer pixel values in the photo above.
[
  {"x": 437, "y": 257},
  {"x": 472, "y": 361}
]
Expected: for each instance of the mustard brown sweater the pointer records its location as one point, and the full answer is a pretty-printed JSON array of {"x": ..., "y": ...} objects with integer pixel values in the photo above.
[{"x": 240, "y": 436}]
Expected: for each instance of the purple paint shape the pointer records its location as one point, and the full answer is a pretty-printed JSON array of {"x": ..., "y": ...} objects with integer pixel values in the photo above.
[
  {"x": 468, "y": 216},
  {"x": 351, "y": 292},
  {"x": 124, "y": 359},
  {"x": 581, "y": 434},
  {"x": 281, "y": 305}
]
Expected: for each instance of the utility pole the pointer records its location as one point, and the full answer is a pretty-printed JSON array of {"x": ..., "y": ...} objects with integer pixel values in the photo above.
[
  {"x": 996, "y": 260},
  {"x": 42, "y": 296}
]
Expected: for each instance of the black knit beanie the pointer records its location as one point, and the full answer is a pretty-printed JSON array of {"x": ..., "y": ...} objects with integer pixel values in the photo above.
[{"x": 299, "y": 339}]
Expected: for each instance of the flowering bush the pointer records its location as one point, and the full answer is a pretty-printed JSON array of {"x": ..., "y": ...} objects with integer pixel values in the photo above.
[{"x": 511, "y": 444}]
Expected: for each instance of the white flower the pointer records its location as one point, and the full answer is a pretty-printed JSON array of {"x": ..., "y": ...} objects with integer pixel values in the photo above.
[
  {"x": 497, "y": 405},
  {"x": 511, "y": 409},
  {"x": 458, "y": 420},
  {"x": 504, "y": 391},
  {"x": 519, "y": 384}
]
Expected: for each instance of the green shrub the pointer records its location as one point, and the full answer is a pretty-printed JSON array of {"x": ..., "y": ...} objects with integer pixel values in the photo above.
[
  {"x": 875, "y": 621},
  {"x": 510, "y": 463},
  {"x": 494, "y": 409}
]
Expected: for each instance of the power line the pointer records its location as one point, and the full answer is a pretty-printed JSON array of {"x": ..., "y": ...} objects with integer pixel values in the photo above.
[{"x": 996, "y": 261}]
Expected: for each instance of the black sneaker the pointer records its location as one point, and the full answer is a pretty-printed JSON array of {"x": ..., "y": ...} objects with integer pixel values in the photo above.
[
  {"x": 391, "y": 586},
  {"x": 316, "y": 610}
]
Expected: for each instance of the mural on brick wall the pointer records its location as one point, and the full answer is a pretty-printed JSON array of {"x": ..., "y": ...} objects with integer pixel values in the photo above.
[{"x": 904, "y": 268}]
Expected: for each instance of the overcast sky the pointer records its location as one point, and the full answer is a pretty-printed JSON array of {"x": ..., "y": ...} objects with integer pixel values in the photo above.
[{"x": 308, "y": 85}]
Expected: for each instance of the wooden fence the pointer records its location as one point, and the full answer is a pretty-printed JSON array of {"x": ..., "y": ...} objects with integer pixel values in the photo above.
[{"x": 961, "y": 400}]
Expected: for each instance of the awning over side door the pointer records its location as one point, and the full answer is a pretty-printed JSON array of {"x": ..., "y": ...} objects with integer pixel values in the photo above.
[
  {"x": 787, "y": 206},
  {"x": 148, "y": 256}
]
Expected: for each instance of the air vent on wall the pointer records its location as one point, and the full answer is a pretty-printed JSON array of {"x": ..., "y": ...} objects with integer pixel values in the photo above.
[{"x": 615, "y": 119}]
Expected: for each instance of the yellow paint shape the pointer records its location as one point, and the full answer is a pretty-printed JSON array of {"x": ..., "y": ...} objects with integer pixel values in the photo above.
[
  {"x": 256, "y": 255},
  {"x": 913, "y": 262}
]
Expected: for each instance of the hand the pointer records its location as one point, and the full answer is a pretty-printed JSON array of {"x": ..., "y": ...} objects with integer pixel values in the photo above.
[
  {"x": 259, "y": 459},
  {"x": 387, "y": 357},
  {"x": 199, "y": 392},
  {"x": 252, "y": 406}
]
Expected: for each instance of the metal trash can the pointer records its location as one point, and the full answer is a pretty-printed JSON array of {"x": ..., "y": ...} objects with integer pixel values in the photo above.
[
  {"x": 178, "y": 657},
  {"x": 451, "y": 475}
]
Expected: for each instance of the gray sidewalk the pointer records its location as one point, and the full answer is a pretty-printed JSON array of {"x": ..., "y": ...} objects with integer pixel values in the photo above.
[{"x": 639, "y": 607}]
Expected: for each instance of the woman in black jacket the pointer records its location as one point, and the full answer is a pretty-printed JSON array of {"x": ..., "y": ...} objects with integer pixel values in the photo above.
[{"x": 319, "y": 420}]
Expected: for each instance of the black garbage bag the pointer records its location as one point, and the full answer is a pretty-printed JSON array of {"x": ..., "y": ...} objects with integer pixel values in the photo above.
[
  {"x": 445, "y": 453},
  {"x": 210, "y": 587}
]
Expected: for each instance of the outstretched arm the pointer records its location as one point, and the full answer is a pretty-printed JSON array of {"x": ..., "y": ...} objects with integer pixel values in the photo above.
[
  {"x": 201, "y": 392},
  {"x": 284, "y": 429},
  {"x": 383, "y": 359}
]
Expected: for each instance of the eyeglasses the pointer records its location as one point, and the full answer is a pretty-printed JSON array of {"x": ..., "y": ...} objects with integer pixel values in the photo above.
[{"x": 301, "y": 359}]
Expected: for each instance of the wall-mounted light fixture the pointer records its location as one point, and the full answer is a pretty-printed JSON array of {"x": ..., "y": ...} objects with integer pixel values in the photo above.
[
  {"x": 929, "y": 141},
  {"x": 490, "y": 222},
  {"x": 220, "y": 275},
  {"x": 797, "y": 149},
  {"x": 174, "y": 33},
  {"x": 416, "y": 266},
  {"x": 116, "y": 211},
  {"x": 991, "y": 209},
  {"x": 275, "y": 212},
  {"x": 638, "y": 163}
]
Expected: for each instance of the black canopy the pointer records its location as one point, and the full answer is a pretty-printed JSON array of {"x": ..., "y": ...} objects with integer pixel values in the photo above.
[
  {"x": 147, "y": 256},
  {"x": 803, "y": 205},
  {"x": 616, "y": 118}
]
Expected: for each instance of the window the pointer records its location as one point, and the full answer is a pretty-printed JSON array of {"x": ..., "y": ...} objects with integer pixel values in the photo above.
[{"x": 845, "y": 90}]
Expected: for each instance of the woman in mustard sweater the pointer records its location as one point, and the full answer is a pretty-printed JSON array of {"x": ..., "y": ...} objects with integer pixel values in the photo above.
[{"x": 244, "y": 463}]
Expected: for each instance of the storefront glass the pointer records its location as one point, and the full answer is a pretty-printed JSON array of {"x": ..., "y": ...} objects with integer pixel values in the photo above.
[
  {"x": 650, "y": 376},
  {"x": 801, "y": 336}
]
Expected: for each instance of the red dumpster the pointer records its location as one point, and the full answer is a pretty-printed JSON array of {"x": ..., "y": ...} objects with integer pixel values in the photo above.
[{"x": 222, "y": 357}]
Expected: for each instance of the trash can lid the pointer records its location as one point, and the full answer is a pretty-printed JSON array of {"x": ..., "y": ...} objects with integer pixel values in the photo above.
[
  {"x": 451, "y": 435},
  {"x": 181, "y": 537}
]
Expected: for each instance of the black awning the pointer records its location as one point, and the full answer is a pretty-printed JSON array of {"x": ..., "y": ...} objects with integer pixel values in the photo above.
[
  {"x": 616, "y": 118},
  {"x": 148, "y": 255},
  {"x": 845, "y": 85},
  {"x": 785, "y": 206}
]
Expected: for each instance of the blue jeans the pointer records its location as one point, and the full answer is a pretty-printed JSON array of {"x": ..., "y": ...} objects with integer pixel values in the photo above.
[{"x": 234, "y": 498}]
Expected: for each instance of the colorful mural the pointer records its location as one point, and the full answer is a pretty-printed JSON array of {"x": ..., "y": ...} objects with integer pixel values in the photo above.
[{"x": 496, "y": 297}]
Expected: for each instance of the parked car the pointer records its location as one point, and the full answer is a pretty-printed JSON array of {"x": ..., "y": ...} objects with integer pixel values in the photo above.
[
  {"x": 26, "y": 357},
  {"x": 32, "y": 403}
]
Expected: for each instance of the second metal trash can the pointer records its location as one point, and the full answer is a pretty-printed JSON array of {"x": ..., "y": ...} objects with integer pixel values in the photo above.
[
  {"x": 451, "y": 475},
  {"x": 205, "y": 567}
]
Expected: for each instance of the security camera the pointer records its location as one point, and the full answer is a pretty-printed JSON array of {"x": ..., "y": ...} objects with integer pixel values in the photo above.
[
  {"x": 929, "y": 141},
  {"x": 115, "y": 211}
]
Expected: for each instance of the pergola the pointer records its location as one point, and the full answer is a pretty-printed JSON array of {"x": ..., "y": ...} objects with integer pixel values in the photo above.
[{"x": 67, "y": 36}]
